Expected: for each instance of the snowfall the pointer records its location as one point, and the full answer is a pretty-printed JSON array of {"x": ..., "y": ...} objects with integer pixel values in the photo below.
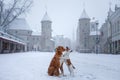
[{"x": 34, "y": 65}]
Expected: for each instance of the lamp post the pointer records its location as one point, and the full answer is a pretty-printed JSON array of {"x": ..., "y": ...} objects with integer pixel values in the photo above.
[
  {"x": 110, "y": 36},
  {"x": 97, "y": 37},
  {"x": 85, "y": 41}
]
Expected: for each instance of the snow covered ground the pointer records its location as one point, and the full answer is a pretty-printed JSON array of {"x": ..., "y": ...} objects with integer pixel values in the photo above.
[{"x": 34, "y": 65}]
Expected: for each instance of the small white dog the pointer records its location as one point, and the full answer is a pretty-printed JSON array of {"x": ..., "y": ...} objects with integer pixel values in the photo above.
[{"x": 65, "y": 58}]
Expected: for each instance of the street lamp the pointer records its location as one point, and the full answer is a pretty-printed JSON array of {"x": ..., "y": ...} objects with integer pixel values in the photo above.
[
  {"x": 85, "y": 41},
  {"x": 97, "y": 37}
]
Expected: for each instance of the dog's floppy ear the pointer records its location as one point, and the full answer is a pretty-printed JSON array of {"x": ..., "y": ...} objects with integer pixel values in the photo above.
[
  {"x": 63, "y": 48},
  {"x": 58, "y": 49}
]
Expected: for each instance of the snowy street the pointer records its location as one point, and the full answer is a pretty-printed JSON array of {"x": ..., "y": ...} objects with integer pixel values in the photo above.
[{"x": 34, "y": 65}]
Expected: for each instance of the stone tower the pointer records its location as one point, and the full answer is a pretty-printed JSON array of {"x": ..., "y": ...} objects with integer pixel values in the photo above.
[
  {"x": 83, "y": 32},
  {"x": 46, "y": 33},
  {"x": 46, "y": 26}
]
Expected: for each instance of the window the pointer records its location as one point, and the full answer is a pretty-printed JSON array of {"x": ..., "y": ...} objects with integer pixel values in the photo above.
[
  {"x": 93, "y": 28},
  {"x": 119, "y": 25},
  {"x": 37, "y": 38},
  {"x": 33, "y": 38},
  {"x": 115, "y": 28},
  {"x": 16, "y": 31},
  {"x": 27, "y": 38}
]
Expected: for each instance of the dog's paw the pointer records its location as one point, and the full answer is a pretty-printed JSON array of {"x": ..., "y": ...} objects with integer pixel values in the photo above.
[{"x": 64, "y": 75}]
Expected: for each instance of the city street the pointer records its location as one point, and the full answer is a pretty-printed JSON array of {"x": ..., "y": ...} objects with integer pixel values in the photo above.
[{"x": 34, "y": 65}]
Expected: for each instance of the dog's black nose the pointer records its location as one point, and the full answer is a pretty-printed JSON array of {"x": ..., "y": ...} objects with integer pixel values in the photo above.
[{"x": 71, "y": 51}]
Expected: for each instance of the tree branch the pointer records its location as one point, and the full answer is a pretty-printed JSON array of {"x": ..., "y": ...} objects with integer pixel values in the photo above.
[
  {"x": 18, "y": 11},
  {"x": 9, "y": 12}
]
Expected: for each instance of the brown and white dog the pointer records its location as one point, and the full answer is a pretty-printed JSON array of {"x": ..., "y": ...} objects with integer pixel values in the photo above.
[
  {"x": 55, "y": 65},
  {"x": 65, "y": 58}
]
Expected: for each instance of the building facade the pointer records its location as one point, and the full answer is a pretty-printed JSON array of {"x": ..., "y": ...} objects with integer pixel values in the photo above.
[
  {"x": 114, "y": 21},
  {"x": 47, "y": 41},
  {"x": 94, "y": 37},
  {"x": 60, "y": 40},
  {"x": 40, "y": 42},
  {"x": 19, "y": 28},
  {"x": 83, "y": 32},
  {"x": 10, "y": 44},
  {"x": 110, "y": 41},
  {"x": 104, "y": 43},
  {"x": 88, "y": 34}
]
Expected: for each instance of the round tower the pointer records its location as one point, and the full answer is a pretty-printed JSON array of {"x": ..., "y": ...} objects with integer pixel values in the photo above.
[
  {"x": 46, "y": 33},
  {"x": 46, "y": 27},
  {"x": 84, "y": 31}
]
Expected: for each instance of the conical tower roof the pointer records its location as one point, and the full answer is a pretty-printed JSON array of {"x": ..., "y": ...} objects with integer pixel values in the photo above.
[
  {"x": 84, "y": 15},
  {"x": 46, "y": 17}
]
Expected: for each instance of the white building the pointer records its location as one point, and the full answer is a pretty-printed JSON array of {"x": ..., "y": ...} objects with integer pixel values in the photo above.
[
  {"x": 47, "y": 42},
  {"x": 83, "y": 32},
  {"x": 110, "y": 40},
  {"x": 40, "y": 42},
  {"x": 104, "y": 38},
  {"x": 10, "y": 44},
  {"x": 94, "y": 36},
  {"x": 60, "y": 40},
  {"x": 35, "y": 41},
  {"x": 23, "y": 35},
  {"x": 19, "y": 28},
  {"x": 88, "y": 34},
  {"x": 115, "y": 29}
]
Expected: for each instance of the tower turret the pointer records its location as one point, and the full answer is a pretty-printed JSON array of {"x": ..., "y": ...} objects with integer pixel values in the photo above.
[
  {"x": 84, "y": 31},
  {"x": 46, "y": 27}
]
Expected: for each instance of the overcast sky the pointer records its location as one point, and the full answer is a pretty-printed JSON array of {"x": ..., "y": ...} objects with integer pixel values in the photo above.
[{"x": 65, "y": 13}]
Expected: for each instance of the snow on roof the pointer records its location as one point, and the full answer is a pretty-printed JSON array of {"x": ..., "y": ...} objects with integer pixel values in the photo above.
[
  {"x": 84, "y": 15},
  {"x": 46, "y": 17},
  {"x": 20, "y": 24},
  {"x": 36, "y": 33},
  {"x": 11, "y": 38},
  {"x": 93, "y": 19}
]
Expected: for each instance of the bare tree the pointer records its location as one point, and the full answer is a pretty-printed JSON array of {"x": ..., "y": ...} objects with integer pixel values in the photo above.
[{"x": 11, "y": 9}]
